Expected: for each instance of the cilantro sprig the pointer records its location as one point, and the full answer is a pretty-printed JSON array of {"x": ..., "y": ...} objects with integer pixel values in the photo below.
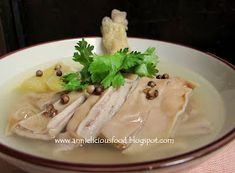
[
  {"x": 108, "y": 70},
  {"x": 72, "y": 82}
]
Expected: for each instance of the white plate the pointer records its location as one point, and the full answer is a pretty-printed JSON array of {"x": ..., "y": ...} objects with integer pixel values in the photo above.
[{"x": 220, "y": 74}]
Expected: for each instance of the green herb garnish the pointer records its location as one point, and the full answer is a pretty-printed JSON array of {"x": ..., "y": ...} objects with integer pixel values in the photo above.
[
  {"x": 108, "y": 70},
  {"x": 72, "y": 82}
]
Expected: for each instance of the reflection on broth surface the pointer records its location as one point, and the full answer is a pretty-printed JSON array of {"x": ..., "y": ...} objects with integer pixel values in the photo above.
[{"x": 199, "y": 125}]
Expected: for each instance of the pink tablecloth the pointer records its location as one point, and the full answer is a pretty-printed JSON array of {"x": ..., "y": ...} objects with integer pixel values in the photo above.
[{"x": 223, "y": 162}]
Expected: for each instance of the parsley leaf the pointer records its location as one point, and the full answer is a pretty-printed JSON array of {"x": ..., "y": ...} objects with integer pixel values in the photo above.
[
  {"x": 132, "y": 59},
  {"x": 104, "y": 69},
  {"x": 148, "y": 66},
  {"x": 113, "y": 79},
  {"x": 118, "y": 80},
  {"x": 72, "y": 82},
  {"x": 108, "y": 70},
  {"x": 84, "y": 55}
]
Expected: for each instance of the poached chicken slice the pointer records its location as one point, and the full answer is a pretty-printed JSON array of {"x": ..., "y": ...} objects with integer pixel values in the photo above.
[
  {"x": 37, "y": 125},
  {"x": 91, "y": 116},
  {"x": 140, "y": 118}
]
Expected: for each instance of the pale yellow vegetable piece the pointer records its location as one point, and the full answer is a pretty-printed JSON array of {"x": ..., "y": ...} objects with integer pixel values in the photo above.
[
  {"x": 48, "y": 82},
  {"x": 54, "y": 83},
  {"x": 35, "y": 84}
]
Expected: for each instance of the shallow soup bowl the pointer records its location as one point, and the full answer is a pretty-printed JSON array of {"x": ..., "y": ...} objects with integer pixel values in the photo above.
[{"x": 215, "y": 70}]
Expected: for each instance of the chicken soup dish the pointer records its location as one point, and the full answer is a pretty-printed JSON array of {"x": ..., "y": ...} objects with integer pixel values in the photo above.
[{"x": 120, "y": 106}]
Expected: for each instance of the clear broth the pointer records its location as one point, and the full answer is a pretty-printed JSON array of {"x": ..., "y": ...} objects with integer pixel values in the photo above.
[{"x": 209, "y": 104}]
